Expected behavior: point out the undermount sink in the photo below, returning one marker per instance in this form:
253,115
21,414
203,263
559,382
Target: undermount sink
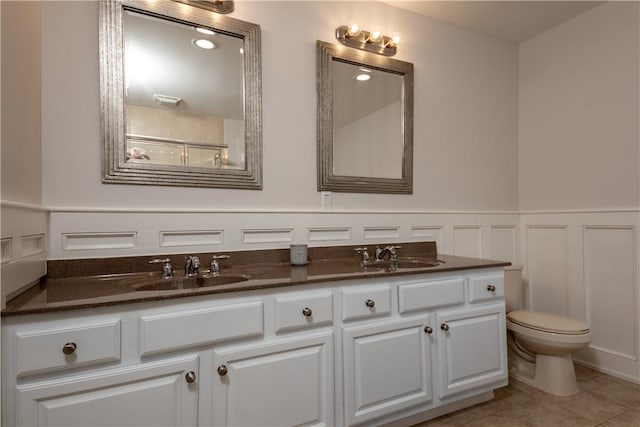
173,284
408,262
339,266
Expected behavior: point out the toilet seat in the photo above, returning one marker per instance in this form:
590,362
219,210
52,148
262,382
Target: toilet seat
547,322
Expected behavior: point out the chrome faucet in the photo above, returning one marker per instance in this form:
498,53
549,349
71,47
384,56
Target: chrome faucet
167,270
192,265
388,250
215,267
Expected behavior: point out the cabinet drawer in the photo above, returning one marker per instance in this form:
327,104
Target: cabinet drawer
44,350
486,288
297,312
169,331
437,293
361,303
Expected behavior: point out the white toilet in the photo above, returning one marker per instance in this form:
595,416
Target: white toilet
541,344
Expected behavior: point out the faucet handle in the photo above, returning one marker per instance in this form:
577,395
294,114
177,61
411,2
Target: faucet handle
215,267
167,270
364,251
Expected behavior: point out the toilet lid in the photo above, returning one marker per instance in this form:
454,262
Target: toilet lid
548,322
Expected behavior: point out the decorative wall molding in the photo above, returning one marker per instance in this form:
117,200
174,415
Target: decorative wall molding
326,234
24,241
98,241
600,276
191,238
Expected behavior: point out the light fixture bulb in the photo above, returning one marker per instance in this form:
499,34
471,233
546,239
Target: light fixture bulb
363,77
353,30
204,44
205,31
375,36
395,38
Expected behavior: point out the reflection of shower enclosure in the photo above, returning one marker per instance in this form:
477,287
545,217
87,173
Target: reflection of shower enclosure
174,152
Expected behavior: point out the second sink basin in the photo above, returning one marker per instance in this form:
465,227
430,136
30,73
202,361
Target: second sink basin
173,284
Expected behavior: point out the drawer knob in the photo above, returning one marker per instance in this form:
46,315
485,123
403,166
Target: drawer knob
307,312
190,377
69,348
222,370
428,329
491,288
370,303
444,327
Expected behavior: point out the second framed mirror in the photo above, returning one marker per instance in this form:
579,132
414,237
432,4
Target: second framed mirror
365,121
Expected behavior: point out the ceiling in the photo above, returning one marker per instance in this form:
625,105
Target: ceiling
515,21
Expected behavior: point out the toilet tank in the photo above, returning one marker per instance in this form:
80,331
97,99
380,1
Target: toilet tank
513,287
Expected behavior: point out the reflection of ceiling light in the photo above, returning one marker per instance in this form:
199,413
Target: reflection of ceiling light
363,77
241,51
205,31
204,44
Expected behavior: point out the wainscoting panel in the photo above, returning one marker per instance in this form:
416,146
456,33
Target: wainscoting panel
98,241
547,262
586,263
191,238
467,241
467,234
610,265
24,243
503,242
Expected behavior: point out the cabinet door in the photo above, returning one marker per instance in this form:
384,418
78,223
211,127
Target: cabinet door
387,367
288,382
471,348
154,394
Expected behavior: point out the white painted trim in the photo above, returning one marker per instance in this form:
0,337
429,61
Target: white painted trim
63,209
18,205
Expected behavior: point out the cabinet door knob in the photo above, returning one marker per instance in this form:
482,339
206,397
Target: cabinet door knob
69,348
428,329
307,312
491,288
222,370
370,303
444,327
190,377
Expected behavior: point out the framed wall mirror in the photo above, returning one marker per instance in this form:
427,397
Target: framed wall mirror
365,121
180,96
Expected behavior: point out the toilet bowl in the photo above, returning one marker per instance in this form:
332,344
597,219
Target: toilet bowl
541,344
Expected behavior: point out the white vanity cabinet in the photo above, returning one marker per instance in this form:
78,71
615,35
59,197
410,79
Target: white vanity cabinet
158,394
367,351
471,348
387,368
288,382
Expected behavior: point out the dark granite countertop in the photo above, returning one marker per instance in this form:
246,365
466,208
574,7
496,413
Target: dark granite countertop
78,284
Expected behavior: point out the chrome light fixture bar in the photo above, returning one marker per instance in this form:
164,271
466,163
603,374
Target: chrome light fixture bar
218,6
371,41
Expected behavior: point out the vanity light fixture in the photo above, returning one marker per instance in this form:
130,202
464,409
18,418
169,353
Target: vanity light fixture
371,41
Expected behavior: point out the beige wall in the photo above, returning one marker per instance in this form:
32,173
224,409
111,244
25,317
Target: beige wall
21,58
465,113
579,113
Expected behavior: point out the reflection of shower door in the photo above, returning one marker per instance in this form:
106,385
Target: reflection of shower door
162,151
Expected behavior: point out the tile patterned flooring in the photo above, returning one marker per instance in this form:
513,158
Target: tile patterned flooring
602,401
